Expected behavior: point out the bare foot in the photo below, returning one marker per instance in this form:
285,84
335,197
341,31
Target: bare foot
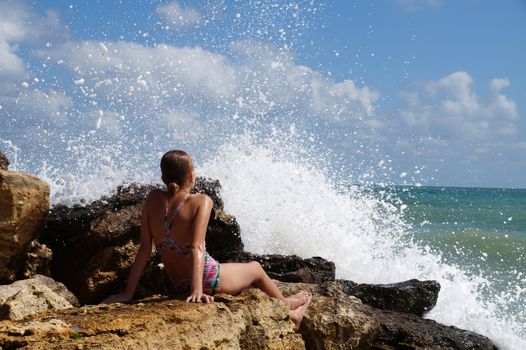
296,300
297,315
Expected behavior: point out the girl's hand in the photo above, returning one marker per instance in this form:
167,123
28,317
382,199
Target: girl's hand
199,297
117,298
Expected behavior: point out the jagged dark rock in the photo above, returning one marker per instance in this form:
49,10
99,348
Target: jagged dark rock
292,268
94,246
405,331
412,296
336,320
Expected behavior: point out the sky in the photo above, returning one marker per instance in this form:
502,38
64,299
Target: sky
428,92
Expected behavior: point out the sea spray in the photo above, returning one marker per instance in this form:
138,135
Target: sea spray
288,199
108,109
285,205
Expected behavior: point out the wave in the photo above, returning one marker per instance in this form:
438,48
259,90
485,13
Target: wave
286,205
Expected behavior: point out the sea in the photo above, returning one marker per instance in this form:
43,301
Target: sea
471,240
95,111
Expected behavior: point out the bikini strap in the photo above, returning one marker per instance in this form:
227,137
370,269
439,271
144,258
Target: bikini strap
166,226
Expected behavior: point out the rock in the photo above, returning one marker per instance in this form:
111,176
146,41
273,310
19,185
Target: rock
405,331
334,320
105,273
4,162
24,204
292,268
248,321
98,263
95,246
37,260
31,296
154,280
279,267
66,225
251,320
412,296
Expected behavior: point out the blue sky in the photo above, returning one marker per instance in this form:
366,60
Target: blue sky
427,91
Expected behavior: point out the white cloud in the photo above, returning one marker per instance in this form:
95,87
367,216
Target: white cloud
10,63
457,87
450,108
120,91
177,16
277,82
128,69
501,105
37,105
21,28
20,24
414,5
264,79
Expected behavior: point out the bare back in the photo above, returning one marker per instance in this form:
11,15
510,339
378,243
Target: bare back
182,226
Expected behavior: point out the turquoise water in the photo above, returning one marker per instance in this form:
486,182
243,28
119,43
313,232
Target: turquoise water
480,230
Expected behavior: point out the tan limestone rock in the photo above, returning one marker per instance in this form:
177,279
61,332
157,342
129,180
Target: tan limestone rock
248,321
334,320
31,296
4,162
24,204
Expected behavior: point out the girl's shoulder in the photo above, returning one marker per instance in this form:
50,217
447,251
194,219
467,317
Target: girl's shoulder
156,197
156,193
200,199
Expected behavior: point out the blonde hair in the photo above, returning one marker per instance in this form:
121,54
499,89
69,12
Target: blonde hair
176,166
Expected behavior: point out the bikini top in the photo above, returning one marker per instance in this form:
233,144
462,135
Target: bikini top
168,241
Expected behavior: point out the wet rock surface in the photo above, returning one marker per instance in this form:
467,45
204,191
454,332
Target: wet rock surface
24,203
405,331
412,296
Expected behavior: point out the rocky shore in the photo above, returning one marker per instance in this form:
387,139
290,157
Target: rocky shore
57,264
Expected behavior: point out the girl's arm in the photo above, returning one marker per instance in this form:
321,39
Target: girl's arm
141,259
200,225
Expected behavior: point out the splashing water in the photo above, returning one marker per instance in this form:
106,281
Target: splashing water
285,206
93,113
287,202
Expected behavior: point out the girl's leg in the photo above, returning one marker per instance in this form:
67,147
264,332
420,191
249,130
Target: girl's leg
238,276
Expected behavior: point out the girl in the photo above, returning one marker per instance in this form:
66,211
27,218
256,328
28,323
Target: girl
177,221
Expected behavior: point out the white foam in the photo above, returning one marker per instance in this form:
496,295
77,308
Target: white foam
286,206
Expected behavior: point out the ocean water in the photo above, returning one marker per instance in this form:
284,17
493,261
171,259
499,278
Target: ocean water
471,240
93,113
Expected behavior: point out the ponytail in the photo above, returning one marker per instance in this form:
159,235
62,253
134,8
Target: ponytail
173,188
